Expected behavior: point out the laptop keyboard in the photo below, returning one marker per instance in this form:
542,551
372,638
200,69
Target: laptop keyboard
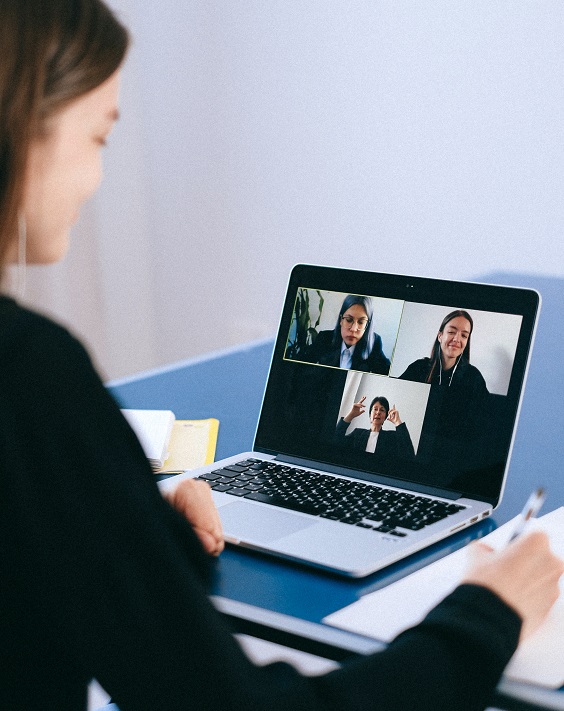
352,502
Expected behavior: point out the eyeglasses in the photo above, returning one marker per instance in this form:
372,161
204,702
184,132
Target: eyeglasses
361,323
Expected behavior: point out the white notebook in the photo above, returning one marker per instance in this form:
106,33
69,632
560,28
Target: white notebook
538,660
153,429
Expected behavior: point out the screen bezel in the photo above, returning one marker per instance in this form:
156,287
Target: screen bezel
273,436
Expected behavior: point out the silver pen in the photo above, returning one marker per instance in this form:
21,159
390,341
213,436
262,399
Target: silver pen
530,510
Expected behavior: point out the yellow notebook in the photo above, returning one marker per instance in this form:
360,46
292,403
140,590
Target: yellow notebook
192,444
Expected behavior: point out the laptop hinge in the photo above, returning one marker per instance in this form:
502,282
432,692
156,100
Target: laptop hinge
372,477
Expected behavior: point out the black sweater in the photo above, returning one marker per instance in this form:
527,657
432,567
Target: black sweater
100,577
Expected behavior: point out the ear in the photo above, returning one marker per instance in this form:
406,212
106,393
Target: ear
439,336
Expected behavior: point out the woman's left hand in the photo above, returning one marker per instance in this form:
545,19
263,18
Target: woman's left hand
394,417
192,498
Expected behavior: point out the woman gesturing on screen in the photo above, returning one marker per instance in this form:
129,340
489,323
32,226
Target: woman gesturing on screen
385,444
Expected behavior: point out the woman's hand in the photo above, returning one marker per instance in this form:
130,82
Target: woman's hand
192,498
394,416
357,409
524,575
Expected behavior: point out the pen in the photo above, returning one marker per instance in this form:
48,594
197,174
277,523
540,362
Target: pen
530,510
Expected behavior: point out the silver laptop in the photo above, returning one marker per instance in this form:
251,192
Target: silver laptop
387,421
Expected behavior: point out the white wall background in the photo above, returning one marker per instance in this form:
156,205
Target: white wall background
422,137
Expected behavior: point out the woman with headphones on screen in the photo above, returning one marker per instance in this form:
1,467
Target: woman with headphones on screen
100,576
459,396
449,363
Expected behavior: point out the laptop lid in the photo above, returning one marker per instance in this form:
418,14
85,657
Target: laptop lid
444,360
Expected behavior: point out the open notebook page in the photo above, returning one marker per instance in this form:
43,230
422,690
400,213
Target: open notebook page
538,660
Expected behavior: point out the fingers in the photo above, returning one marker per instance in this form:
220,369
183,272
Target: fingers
477,550
208,519
525,574
542,561
357,409
533,549
211,544
193,499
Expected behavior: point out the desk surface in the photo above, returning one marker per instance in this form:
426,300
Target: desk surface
286,602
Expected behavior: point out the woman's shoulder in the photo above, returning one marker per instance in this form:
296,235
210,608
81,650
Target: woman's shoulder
322,342
324,336
19,322
28,337
376,338
470,373
421,362
418,368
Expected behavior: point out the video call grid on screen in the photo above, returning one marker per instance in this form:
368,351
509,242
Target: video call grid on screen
408,331
309,407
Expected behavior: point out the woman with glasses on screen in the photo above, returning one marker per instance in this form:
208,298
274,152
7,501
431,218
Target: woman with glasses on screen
100,576
353,344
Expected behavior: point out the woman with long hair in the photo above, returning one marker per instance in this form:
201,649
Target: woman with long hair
353,343
449,362
458,400
100,576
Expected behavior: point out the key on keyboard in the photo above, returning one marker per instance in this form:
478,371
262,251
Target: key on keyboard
352,502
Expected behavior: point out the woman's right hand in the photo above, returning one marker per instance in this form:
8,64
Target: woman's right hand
524,575
357,409
193,499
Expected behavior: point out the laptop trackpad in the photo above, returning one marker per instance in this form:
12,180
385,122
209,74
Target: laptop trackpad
260,524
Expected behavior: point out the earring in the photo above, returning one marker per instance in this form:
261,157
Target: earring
22,245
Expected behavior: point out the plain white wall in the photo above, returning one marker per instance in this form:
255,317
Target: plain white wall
414,137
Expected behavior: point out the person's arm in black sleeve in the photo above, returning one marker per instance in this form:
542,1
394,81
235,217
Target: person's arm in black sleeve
341,429
120,577
404,445
320,347
416,371
118,573
452,660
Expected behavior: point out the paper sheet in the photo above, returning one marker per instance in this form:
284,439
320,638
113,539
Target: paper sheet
192,444
538,660
153,429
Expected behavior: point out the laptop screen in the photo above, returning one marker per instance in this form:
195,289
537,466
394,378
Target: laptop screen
400,379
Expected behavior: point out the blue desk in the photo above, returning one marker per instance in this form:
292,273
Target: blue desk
285,602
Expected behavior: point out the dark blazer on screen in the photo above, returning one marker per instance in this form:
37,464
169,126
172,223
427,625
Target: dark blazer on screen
323,351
